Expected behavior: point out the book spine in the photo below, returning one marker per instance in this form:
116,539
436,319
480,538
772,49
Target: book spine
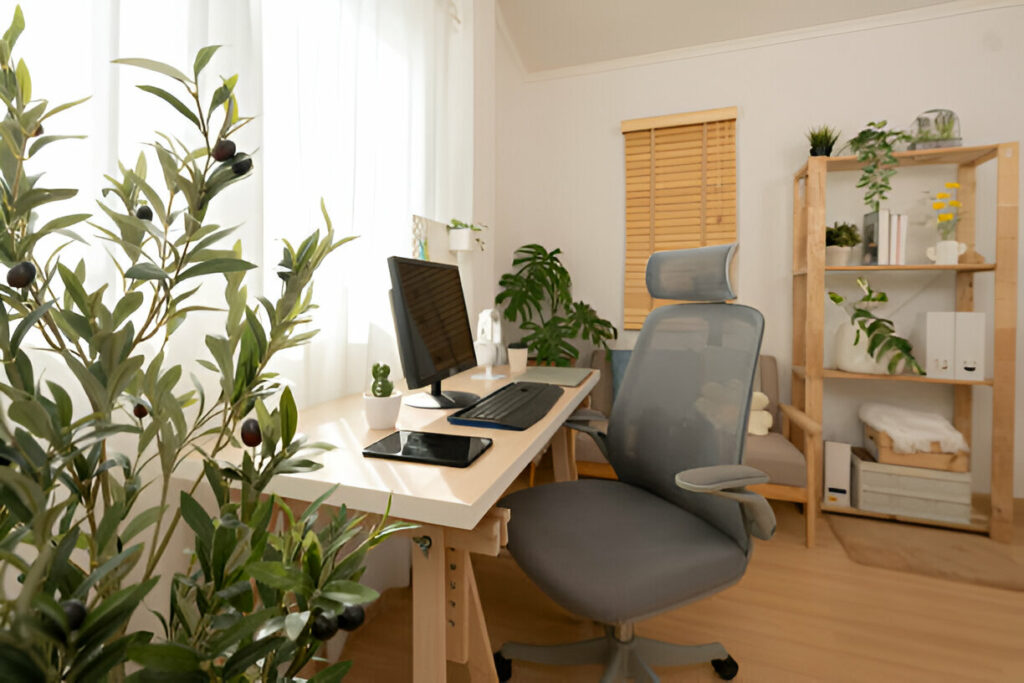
883,237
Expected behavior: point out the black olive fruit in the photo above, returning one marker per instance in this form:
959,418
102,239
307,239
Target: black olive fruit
74,611
21,275
324,627
144,212
251,435
351,618
140,411
223,150
242,166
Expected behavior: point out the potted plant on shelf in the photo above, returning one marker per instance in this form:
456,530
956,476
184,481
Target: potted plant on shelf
538,295
383,402
89,516
869,344
874,147
822,139
462,235
840,239
947,215
936,128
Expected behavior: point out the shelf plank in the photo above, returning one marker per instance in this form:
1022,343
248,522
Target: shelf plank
840,374
923,157
958,267
979,520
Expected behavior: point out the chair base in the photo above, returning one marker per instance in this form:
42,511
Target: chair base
623,659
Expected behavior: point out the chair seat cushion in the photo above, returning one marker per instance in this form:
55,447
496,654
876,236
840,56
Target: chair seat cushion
613,552
774,455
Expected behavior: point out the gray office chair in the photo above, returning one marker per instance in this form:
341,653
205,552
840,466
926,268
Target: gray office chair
676,526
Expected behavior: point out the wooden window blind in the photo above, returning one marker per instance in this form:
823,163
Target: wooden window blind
680,193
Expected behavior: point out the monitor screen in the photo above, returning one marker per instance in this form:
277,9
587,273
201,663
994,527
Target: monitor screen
434,338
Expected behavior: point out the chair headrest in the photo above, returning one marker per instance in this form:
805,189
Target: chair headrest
702,274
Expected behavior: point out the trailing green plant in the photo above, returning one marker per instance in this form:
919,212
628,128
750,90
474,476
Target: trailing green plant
456,224
842,235
382,386
883,342
81,457
874,147
822,139
538,295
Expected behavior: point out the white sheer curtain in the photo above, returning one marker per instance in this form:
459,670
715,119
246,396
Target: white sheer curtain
352,105
354,110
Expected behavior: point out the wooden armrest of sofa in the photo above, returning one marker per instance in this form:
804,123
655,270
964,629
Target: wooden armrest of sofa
800,419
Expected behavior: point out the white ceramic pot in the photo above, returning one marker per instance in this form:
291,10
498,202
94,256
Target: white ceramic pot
460,239
382,412
517,360
852,357
946,252
837,256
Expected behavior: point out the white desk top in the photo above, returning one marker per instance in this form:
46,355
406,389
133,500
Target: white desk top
431,494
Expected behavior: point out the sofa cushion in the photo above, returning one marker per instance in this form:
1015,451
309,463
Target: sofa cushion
774,455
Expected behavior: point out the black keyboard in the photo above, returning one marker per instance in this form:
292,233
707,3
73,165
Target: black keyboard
514,406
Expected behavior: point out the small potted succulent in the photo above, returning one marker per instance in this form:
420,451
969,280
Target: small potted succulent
383,402
840,239
462,235
822,139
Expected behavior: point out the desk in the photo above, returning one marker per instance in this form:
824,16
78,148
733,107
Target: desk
454,505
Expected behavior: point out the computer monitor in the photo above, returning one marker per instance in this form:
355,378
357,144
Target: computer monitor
432,325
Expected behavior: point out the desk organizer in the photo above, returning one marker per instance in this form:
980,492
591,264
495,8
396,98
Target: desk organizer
911,491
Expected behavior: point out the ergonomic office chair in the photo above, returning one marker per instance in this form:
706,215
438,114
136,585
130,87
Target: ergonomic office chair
676,525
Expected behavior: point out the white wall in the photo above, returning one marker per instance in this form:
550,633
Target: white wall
560,166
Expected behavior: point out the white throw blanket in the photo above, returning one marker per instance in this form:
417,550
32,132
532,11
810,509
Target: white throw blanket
912,430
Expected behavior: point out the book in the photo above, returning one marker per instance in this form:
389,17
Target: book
904,227
869,232
883,237
894,239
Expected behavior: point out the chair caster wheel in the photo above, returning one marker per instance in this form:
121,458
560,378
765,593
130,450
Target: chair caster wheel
503,666
726,668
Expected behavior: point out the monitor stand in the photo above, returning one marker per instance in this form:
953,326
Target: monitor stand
441,399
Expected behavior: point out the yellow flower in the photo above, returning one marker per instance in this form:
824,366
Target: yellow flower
943,217
938,205
956,203
952,186
942,195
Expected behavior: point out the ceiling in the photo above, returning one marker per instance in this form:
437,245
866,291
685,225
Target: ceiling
554,34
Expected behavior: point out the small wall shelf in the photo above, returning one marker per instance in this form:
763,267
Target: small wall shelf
809,271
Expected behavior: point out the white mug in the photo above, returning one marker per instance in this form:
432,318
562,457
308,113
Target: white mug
946,252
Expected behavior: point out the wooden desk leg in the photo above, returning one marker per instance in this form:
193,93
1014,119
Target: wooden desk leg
428,613
468,640
565,466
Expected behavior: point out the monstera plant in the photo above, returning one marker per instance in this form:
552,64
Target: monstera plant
95,421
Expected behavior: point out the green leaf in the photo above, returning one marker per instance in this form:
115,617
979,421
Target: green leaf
203,58
63,107
195,516
171,657
152,65
294,623
32,416
146,271
349,592
16,27
44,140
171,100
249,655
217,265
140,521
280,577
26,324
128,304
24,81
110,565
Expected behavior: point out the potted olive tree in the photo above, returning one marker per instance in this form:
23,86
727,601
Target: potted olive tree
840,239
537,294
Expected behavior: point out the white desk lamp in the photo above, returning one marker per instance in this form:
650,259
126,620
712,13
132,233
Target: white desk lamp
488,341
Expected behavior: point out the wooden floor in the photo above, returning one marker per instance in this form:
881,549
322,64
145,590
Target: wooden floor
797,615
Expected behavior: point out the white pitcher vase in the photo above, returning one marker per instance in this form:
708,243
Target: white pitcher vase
946,252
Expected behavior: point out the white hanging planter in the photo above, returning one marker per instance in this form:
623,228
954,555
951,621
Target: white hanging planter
460,239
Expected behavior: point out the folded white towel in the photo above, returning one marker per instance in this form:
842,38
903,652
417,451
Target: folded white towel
912,430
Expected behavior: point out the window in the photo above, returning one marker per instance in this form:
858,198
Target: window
680,193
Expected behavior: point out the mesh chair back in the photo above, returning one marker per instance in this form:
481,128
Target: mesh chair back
684,403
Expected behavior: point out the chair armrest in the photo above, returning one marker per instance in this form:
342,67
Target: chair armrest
719,478
583,414
800,419
728,481
599,437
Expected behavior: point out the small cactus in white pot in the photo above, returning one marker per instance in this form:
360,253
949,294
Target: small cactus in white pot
383,402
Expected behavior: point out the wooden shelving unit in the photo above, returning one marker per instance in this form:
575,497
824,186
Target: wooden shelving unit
809,273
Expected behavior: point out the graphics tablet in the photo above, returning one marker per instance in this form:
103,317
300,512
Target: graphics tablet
434,449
